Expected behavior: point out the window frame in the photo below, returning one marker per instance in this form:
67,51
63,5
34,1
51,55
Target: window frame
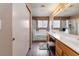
41,27
55,27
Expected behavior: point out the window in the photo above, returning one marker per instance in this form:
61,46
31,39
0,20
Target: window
56,23
42,23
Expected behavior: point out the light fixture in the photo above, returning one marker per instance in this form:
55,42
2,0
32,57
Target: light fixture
61,7
42,5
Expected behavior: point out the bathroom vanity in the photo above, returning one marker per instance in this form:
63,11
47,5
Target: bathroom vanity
65,44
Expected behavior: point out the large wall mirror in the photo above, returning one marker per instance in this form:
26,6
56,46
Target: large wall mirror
70,26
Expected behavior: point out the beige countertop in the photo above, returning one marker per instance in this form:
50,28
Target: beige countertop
71,41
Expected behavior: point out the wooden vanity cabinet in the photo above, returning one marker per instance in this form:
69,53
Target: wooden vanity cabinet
62,50
58,51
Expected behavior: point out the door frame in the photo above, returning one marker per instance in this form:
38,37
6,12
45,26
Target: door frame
30,24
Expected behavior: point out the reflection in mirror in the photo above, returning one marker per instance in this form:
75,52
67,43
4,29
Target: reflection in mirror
70,26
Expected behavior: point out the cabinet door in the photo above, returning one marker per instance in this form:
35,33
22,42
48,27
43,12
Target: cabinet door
57,54
68,52
58,51
65,53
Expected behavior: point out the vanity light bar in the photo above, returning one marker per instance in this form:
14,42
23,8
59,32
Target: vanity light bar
61,7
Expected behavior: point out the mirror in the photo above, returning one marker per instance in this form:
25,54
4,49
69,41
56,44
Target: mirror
70,26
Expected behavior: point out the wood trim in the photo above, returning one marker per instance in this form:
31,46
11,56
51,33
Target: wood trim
30,24
61,17
40,17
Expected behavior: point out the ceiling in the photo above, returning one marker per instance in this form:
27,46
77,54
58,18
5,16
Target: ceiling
72,10
48,8
43,9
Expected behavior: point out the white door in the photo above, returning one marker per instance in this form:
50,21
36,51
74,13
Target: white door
21,18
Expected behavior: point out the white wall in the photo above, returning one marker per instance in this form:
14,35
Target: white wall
20,29
5,29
